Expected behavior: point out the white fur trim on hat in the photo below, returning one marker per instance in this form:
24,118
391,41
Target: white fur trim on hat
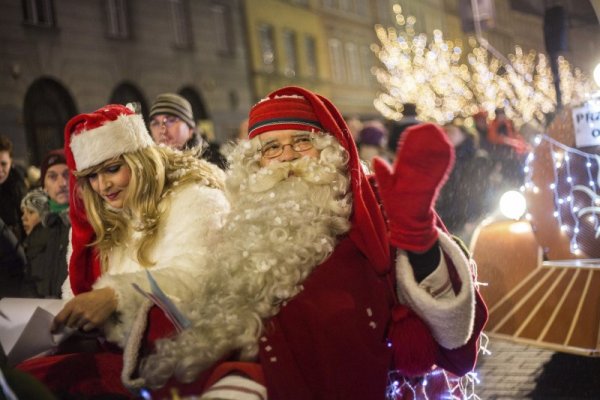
125,134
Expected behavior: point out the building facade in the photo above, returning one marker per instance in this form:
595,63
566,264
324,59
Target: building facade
63,57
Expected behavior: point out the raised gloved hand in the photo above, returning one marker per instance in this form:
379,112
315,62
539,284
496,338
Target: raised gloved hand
408,191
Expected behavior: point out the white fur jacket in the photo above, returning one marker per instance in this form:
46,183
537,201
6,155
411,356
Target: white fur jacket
185,234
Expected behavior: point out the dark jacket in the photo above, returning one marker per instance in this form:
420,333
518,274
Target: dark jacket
464,196
11,194
12,262
46,250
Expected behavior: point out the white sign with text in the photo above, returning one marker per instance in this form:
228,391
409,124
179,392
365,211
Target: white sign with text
586,121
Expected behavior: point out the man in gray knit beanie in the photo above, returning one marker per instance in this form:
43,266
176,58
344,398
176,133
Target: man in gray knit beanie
172,122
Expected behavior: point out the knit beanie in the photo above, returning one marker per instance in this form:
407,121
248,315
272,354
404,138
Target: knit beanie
285,112
53,157
91,139
371,135
298,108
173,104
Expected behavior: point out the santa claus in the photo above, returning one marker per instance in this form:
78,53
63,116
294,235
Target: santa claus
314,292
322,280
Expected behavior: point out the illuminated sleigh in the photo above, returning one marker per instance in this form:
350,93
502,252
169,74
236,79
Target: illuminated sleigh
543,271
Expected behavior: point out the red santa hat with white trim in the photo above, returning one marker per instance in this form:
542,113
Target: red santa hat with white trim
298,108
91,139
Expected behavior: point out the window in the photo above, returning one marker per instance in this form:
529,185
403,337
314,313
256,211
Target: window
221,17
366,57
47,108
329,3
310,46
354,64
384,11
338,70
346,5
291,59
303,3
181,24
117,19
39,13
267,47
362,8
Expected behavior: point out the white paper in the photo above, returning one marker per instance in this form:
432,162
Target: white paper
25,327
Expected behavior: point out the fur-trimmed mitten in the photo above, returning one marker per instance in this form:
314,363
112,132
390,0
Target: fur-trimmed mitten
409,189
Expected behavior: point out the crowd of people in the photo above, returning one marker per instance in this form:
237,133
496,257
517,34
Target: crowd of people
308,265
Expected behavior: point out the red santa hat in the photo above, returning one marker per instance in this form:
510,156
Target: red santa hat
91,139
297,108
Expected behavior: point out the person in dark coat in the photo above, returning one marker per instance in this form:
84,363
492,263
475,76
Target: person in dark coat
12,189
463,199
409,118
172,123
46,245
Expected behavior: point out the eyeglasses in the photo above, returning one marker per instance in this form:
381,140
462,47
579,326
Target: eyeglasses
168,122
275,149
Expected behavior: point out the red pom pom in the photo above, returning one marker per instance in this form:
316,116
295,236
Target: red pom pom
414,348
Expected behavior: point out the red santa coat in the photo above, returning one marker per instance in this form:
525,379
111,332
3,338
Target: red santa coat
329,341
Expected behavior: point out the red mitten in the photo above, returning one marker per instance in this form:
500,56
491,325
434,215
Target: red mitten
409,190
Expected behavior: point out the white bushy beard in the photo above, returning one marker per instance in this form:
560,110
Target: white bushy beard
284,221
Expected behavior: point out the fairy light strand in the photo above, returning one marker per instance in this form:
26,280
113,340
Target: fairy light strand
447,82
563,157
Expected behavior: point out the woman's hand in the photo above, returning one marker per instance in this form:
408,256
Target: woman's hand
86,311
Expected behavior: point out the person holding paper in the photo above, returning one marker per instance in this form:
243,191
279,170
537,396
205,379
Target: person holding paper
314,292
135,205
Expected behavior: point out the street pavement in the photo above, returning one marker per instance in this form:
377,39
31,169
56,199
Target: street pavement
517,371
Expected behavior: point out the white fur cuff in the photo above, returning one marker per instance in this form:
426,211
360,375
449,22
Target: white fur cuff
450,319
132,348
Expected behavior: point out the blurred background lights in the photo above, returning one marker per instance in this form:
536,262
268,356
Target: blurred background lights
512,204
597,74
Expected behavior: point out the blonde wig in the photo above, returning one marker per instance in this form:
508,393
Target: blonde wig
284,221
155,172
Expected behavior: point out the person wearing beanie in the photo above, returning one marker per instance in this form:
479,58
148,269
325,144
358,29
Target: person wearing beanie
172,123
314,293
135,207
54,178
46,245
371,141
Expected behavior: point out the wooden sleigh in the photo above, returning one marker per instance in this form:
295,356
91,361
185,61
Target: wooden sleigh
543,272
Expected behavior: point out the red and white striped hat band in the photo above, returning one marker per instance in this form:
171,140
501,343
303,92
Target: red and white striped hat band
282,112
105,134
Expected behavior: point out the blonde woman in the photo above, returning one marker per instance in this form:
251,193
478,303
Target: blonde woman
134,206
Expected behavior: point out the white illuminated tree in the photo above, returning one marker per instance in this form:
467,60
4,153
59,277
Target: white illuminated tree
446,83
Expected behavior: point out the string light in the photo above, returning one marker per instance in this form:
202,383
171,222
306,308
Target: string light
563,160
455,388
445,82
